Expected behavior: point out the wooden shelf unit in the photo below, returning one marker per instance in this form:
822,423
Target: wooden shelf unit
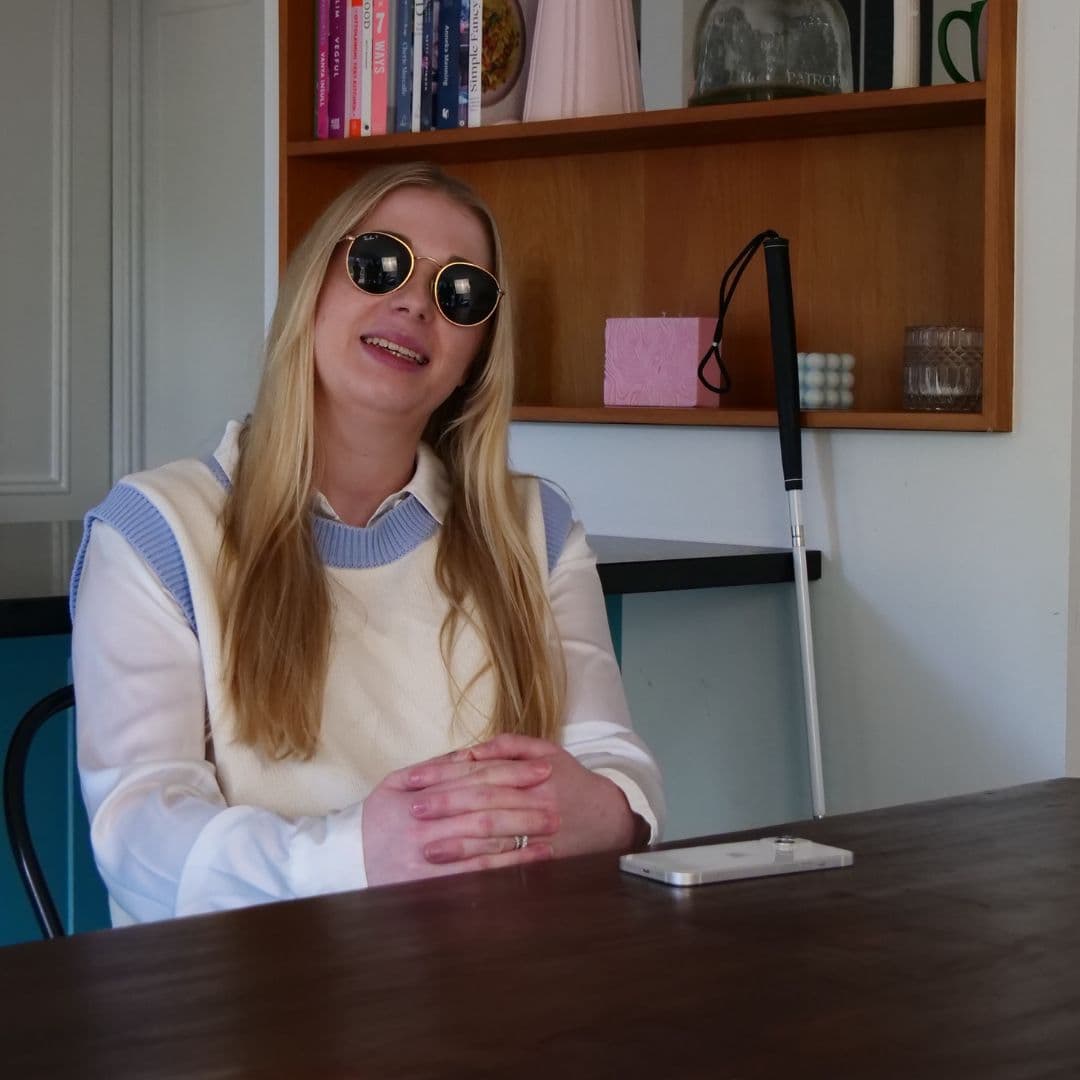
898,205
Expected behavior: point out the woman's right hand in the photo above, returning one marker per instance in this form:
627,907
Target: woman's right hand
497,803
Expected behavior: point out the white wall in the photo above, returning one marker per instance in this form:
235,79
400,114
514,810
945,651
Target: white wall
1072,749
942,617
667,51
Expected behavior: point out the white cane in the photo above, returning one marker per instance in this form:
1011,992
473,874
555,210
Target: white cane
782,326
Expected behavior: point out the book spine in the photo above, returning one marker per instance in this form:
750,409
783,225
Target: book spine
403,67
905,43
417,62
339,25
365,68
446,94
427,45
391,63
476,58
322,70
926,42
380,67
353,53
463,63
878,54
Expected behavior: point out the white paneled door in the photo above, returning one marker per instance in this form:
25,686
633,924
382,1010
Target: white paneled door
205,94
55,257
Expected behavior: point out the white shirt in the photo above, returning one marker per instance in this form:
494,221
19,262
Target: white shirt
164,837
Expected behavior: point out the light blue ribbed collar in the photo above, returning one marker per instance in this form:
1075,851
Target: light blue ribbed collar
392,535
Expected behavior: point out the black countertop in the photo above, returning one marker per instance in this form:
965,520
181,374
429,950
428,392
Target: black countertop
35,568
632,565
36,560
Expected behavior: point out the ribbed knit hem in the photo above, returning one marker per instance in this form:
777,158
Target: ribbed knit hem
558,517
144,527
394,535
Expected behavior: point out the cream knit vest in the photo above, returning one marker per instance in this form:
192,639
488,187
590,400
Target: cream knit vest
389,700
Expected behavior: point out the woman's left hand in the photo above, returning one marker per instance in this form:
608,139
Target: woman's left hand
592,811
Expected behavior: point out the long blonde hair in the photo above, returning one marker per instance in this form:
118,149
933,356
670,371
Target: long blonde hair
272,586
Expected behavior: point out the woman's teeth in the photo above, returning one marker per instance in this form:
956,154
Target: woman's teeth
397,350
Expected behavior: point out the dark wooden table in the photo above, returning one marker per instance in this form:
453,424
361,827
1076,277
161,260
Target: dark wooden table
950,949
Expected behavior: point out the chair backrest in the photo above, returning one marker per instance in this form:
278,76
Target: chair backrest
22,844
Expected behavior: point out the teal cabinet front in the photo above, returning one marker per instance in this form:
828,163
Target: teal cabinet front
30,668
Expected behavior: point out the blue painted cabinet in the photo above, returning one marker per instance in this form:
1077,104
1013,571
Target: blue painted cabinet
613,602
30,668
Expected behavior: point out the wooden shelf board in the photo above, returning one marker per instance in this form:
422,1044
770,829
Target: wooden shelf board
818,418
955,105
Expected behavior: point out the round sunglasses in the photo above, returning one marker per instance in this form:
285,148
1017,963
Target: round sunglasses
379,263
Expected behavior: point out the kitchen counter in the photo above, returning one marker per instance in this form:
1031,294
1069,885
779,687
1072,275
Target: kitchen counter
36,560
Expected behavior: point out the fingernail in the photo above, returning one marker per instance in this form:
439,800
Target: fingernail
416,779
420,807
436,854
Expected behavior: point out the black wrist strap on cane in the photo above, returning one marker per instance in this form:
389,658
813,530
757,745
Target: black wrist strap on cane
716,349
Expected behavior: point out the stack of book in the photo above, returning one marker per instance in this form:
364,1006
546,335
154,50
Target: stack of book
415,65
894,42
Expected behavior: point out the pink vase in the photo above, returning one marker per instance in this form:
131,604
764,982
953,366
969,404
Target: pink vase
584,60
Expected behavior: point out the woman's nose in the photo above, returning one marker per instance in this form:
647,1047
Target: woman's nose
417,296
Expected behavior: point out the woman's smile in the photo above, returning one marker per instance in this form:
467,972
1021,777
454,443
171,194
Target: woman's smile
394,352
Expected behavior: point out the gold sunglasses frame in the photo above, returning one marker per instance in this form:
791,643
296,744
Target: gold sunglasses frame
434,281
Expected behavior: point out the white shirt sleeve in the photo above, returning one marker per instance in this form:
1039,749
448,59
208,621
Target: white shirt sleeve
165,841
598,730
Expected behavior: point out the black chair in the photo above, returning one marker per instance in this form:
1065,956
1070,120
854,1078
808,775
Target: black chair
22,844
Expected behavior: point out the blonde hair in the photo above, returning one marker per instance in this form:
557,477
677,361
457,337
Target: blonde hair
271,583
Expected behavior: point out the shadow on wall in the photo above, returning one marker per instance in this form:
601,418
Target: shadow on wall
714,682
914,702
913,724
715,690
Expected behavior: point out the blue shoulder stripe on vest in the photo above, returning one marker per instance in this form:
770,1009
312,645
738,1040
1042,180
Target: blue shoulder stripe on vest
144,527
558,517
214,466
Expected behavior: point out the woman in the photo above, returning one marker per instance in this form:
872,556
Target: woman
351,648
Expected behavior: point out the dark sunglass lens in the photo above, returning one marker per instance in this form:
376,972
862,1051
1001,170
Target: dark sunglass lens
378,263
466,294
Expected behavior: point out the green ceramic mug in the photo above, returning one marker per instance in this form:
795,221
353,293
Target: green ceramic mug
976,24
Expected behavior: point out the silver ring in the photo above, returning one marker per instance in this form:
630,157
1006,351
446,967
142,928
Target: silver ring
520,842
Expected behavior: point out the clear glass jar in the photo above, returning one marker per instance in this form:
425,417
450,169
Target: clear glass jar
943,368
757,50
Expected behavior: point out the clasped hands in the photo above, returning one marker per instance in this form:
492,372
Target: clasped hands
462,811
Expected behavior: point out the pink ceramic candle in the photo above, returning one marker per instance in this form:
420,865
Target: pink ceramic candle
655,362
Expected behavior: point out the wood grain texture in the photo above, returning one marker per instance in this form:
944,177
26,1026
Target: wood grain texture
999,213
728,417
882,110
948,950
898,205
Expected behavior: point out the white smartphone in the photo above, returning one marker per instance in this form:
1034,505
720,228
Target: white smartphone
739,859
